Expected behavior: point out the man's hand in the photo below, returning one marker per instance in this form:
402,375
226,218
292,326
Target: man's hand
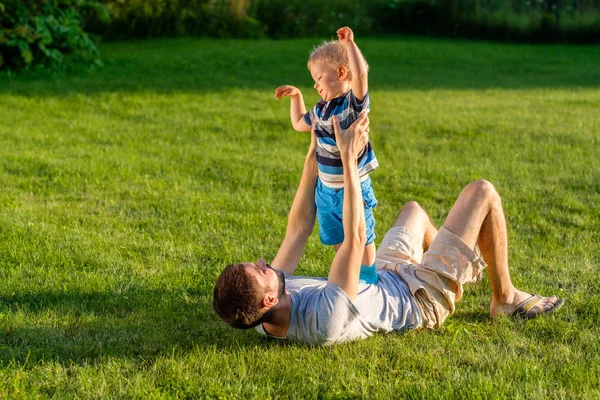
351,141
345,36
286,91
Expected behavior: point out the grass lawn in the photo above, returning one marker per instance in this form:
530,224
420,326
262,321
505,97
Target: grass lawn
126,190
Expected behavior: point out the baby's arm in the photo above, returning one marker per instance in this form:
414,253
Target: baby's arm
359,84
297,108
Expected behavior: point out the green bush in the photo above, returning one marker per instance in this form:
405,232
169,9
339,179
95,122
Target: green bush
235,18
523,20
46,32
138,19
520,20
284,18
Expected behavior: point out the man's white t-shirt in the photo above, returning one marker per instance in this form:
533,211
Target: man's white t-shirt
322,314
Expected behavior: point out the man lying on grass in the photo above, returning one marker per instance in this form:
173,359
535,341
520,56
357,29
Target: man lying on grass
421,271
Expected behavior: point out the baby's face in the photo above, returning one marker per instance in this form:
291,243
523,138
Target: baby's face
327,81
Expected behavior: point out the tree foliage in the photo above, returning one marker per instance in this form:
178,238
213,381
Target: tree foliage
529,20
46,32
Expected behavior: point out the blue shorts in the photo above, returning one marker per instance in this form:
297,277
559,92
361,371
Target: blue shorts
330,203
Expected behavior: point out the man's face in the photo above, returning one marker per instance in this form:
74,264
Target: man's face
327,81
268,278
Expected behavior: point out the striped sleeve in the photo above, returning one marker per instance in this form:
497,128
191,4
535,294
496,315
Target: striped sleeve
309,117
357,106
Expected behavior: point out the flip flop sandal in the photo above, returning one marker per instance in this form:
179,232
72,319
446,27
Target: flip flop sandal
524,309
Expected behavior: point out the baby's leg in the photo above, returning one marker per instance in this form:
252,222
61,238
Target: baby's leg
369,254
368,271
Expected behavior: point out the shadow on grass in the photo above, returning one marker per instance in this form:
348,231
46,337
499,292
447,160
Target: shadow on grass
77,327
471,317
84,327
406,63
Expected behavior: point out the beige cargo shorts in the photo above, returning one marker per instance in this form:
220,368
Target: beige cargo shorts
435,278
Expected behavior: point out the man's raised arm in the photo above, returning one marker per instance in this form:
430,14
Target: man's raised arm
301,220
345,268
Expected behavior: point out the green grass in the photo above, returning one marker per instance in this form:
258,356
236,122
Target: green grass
126,190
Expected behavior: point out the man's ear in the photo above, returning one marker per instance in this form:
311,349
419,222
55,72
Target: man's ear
269,300
342,72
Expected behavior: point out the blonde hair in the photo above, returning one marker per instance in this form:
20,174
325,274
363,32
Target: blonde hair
332,53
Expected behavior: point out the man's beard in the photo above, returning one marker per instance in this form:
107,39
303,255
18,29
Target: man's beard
281,282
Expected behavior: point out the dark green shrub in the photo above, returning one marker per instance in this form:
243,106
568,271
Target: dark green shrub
521,20
46,32
237,18
284,18
138,19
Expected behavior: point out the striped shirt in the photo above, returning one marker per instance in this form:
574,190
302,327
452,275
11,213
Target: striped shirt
347,109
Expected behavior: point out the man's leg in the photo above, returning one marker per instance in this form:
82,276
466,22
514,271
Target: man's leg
477,217
414,218
406,240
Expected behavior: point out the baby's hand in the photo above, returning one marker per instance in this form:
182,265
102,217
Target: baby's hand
345,35
286,91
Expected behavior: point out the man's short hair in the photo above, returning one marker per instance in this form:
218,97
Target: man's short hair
332,53
237,298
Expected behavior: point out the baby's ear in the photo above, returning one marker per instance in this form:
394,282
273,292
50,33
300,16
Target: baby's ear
343,73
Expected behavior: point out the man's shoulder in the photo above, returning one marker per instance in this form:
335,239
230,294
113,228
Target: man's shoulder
299,282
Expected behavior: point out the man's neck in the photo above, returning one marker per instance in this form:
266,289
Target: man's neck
280,322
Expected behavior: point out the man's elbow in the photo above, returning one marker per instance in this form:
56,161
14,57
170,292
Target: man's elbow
305,231
362,232
301,229
357,238
362,238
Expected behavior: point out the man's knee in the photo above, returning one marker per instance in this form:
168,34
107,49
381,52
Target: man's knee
483,190
414,208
